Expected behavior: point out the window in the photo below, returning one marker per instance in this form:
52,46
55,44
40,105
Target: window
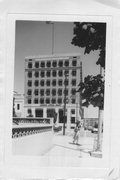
53,101
18,106
74,62
42,92
73,101
54,73
36,101
59,100
53,92
72,120
48,82
29,83
47,101
29,74
42,82
36,74
29,101
72,111
66,92
66,82
42,73
42,64
48,73
41,101
73,82
29,111
59,92
50,112
66,63
48,92
29,92
36,83
38,112
30,65
73,72
48,64
36,64
60,82
60,63
36,92
54,82
73,91
66,72
54,63
60,73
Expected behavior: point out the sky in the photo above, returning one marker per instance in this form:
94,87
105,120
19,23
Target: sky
34,38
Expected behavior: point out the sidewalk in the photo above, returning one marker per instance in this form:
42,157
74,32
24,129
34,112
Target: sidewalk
63,146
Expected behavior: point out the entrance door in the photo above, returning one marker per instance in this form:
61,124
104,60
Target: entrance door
61,116
39,113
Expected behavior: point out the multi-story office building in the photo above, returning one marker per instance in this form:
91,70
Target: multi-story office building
49,80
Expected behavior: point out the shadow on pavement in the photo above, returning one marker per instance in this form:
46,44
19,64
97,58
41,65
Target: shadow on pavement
67,147
75,144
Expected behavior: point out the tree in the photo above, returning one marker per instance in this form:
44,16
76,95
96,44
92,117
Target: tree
30,113
92,36
51,113
92,91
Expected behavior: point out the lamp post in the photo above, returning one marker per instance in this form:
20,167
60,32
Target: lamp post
64,115
52,23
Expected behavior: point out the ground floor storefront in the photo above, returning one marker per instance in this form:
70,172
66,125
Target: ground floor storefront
72,113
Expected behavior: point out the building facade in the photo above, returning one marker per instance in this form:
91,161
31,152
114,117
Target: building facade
18,104
50,83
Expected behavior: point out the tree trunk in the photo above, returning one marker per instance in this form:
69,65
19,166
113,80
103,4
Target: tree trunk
100,121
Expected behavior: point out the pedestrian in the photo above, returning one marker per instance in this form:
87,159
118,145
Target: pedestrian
76,133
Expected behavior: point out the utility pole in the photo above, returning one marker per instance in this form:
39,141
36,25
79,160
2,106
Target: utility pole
64,115
99,124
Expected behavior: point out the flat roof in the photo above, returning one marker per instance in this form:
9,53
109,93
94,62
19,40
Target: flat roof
52,56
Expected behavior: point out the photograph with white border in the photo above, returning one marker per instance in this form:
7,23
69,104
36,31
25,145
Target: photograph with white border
37,131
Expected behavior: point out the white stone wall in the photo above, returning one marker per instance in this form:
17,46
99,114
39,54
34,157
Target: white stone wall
36,144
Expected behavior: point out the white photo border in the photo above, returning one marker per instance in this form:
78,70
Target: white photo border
98,165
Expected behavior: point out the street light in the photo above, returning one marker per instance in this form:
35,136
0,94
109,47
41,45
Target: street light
52,23
64,115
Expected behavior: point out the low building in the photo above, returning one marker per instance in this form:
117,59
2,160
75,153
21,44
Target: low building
18,105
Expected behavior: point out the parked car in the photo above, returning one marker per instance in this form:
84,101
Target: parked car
90,128
94,130
57,128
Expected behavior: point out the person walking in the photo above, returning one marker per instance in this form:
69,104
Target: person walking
76,133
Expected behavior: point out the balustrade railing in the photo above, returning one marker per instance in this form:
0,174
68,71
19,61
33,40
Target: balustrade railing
28,126
17,120
25,131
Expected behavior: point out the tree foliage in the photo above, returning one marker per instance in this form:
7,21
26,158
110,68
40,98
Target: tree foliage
92,91
53,114
91,36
